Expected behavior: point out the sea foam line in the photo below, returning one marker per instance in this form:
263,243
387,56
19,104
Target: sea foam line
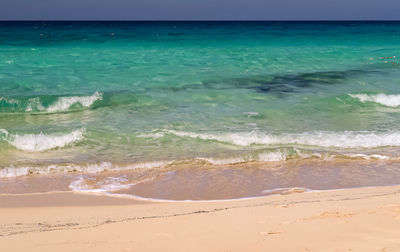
345,139
11,171
272,156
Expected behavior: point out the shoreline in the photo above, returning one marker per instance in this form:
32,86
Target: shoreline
201,182
134,199
359,219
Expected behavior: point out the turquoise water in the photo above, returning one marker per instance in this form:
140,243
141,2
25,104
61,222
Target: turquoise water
96,96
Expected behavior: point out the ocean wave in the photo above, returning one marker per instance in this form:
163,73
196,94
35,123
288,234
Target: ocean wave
367,157
259,156
272,156
42,142
34,104
64,103
12,171
383,99
37,104
345,139
224,161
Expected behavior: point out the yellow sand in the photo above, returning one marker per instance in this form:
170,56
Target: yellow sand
366,219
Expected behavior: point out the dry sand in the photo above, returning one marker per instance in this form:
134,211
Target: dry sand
364,219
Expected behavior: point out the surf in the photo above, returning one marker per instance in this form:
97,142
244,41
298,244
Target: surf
45,104
42,142
345,139
390,100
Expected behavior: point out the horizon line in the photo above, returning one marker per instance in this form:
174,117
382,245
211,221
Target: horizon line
199,20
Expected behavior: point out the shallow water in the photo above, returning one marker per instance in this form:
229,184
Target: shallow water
86,97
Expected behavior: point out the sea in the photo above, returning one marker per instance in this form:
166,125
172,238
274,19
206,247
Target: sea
198,110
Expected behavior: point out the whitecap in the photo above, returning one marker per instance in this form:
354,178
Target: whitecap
344,139
34,104
367,157
272,156
154,135
383,99
224,161
12,171
64,103
42,142
61,104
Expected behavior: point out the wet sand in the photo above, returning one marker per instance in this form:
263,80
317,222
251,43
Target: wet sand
363,219
199,180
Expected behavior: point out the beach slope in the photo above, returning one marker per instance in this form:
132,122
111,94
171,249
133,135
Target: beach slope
363,219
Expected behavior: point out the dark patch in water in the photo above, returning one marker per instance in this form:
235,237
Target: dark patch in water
283,83
279,84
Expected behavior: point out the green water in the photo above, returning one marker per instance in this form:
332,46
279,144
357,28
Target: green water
78,93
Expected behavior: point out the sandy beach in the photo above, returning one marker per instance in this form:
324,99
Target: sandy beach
362,219
228,133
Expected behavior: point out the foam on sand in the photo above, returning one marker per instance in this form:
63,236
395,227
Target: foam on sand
108,184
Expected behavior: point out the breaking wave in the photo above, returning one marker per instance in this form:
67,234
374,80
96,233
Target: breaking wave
48,105
383,99
12,171
264,156
64,103
42,142
345,139
271,156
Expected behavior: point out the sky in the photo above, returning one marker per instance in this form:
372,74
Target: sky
199,10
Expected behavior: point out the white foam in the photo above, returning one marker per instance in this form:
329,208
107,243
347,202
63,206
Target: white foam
272,156
368,157
9,172
42,142
13,171
154,135
383,99
34,103
61,104
79,185
251,113
377,156
106,185
286,190
323,156
64,103
110,184
10,101
344,139
225,161
5,132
